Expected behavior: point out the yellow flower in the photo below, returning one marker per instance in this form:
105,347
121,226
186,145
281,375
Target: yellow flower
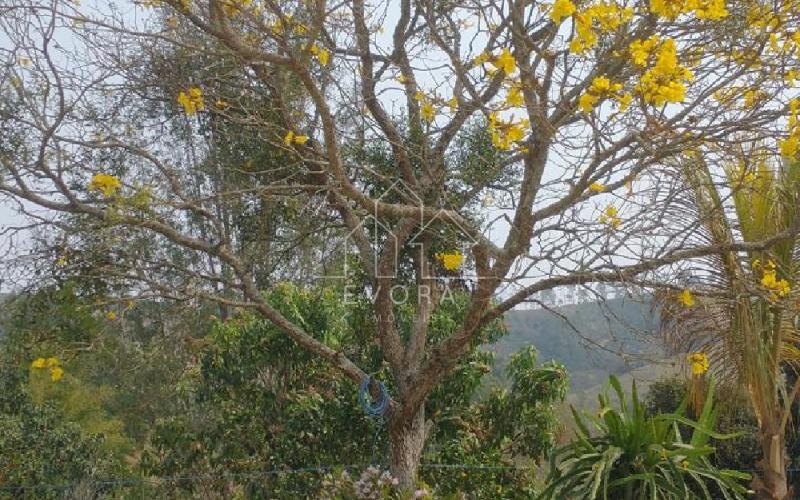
451,261
38,363
427,112
192,101
50,362
515,97
789,147
323,55
640,50
770,281
292,138
597,187
703,9
623,101
56,373
506,61
609,217
687,298
700,363
587,102
665,81
111,315
481,58
106,184
600,88
453,103
561,9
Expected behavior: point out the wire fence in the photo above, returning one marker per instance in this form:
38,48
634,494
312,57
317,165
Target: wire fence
112,488
108,485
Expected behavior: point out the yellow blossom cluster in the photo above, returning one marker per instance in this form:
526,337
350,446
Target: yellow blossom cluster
596,19
292,138
699,362
703,9
192,100
597,187
610,218
769,279
791,145
106,184
505,134
323,55
514,97
506,62
56,372
282,26
427,111
451,261
664,79
600,89
561,9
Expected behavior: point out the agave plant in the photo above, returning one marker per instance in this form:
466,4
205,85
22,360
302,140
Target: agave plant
632,455
744,313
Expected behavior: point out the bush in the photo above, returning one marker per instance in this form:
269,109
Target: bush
635,455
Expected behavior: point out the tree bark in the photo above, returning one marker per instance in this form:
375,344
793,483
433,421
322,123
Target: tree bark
406,442
771,483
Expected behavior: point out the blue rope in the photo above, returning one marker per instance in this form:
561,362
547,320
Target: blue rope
377,407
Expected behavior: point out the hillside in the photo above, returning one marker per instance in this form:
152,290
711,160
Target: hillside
592,339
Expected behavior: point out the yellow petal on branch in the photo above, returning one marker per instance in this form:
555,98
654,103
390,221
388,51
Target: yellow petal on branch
506,62
561,9
106,184
687,298
451,260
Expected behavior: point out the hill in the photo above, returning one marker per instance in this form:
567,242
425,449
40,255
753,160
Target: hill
592,339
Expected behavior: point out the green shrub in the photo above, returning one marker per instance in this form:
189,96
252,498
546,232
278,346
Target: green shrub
634,455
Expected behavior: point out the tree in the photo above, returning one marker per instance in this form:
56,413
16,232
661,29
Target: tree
580,105
258,401
40,449
745,316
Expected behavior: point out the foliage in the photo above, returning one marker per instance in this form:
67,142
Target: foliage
372,484
258,401
40,449
636,456
745,317
740,452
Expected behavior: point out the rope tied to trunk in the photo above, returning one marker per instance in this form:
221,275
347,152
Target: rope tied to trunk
375,407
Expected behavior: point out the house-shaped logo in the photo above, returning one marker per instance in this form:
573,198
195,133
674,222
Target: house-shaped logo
379,234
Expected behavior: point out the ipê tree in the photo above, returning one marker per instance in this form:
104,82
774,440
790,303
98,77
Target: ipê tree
579,104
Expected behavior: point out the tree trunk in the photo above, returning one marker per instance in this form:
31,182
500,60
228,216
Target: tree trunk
771,483
406,441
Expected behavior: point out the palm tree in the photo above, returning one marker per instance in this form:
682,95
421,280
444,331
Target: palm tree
745,315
